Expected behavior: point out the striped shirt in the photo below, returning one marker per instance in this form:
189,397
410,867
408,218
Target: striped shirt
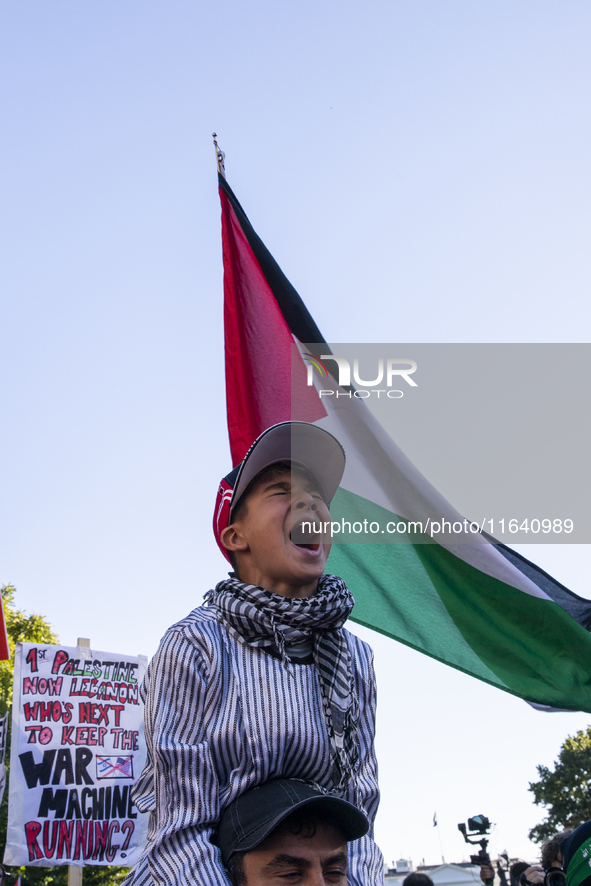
221,717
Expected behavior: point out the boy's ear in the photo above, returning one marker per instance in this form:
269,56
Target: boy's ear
233,539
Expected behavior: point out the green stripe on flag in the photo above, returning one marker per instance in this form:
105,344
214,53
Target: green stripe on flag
393,592
532,644
430,599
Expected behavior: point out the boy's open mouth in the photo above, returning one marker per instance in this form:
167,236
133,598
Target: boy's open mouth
302,536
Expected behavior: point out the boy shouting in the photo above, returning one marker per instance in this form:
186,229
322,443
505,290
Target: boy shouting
262,682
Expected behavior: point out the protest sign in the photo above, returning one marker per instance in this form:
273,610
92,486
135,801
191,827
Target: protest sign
77,749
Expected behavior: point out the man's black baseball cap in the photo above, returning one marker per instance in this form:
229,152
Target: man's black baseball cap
255,814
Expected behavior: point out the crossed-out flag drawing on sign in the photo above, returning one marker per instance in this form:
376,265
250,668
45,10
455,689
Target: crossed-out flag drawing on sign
114,767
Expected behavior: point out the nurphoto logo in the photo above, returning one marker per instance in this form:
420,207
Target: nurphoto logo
389,369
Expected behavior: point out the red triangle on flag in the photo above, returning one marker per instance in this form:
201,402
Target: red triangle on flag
260,357
4,647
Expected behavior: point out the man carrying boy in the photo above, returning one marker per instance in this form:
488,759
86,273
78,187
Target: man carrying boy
288,831
262,682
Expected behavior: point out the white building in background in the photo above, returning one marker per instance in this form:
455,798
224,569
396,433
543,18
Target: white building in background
461,874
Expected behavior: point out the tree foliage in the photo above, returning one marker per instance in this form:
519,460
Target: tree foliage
20,628
566,790
36,629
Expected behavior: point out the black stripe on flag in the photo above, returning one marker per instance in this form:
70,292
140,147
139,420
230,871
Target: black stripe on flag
292,307
577,607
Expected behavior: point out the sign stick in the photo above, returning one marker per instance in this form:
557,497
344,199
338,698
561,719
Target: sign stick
75,871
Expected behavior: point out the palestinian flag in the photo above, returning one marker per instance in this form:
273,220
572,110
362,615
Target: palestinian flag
4,645
481,608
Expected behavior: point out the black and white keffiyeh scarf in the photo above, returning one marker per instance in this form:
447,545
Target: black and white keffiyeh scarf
262,618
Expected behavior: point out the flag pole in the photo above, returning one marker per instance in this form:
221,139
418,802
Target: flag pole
440,845
219,155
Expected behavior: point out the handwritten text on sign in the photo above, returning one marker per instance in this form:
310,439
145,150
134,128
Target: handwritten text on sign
77,748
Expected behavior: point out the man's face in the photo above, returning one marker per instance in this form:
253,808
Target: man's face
266,554
285,858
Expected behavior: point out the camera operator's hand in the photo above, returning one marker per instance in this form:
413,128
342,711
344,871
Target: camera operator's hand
533,874
487,874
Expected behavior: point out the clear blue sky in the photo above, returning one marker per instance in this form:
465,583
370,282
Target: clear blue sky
420,170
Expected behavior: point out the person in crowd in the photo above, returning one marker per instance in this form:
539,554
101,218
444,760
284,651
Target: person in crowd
417,879
575,851
288,831
487,873
263,681
550,857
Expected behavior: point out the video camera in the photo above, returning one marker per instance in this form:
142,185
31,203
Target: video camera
553,877
477,827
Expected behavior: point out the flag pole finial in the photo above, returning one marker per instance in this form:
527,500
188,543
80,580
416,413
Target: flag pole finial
219,155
